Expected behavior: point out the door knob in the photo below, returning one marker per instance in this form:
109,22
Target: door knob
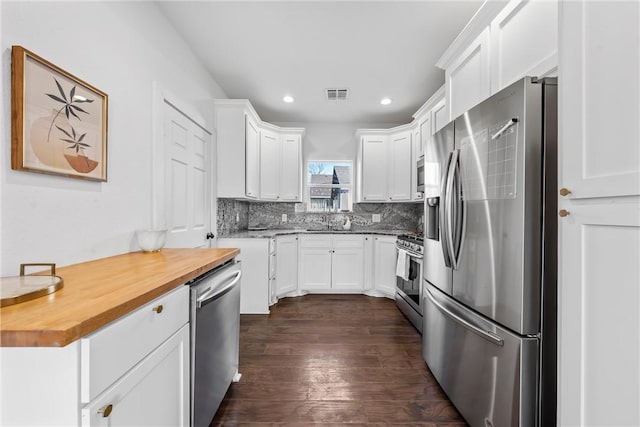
565,192
563,213
106,411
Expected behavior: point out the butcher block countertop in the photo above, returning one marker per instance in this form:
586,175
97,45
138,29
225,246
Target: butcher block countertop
98,292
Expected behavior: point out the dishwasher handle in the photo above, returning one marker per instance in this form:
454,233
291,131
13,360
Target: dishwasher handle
214,294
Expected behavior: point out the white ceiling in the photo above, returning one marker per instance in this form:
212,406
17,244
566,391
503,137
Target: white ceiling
263,50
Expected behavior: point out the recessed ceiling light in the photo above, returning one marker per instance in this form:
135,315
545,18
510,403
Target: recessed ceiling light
385,101
288,98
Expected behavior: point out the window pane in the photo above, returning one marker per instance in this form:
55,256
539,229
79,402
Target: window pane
329,173
329,199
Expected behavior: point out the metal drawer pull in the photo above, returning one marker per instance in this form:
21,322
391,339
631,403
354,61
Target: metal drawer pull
106,411
565,191
563,213
488,335
158,309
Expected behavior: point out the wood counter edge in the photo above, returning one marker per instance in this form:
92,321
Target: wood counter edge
61,338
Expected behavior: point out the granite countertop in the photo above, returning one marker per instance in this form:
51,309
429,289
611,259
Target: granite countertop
266,234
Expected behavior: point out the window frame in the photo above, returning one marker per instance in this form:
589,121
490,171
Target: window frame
308,186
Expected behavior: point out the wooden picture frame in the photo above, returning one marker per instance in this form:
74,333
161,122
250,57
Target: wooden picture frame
58,122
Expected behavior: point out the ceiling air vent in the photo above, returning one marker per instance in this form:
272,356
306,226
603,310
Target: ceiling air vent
337,94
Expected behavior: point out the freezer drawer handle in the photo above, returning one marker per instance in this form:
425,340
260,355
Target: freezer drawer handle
488,335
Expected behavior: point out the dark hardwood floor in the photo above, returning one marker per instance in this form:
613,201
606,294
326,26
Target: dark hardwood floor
329,360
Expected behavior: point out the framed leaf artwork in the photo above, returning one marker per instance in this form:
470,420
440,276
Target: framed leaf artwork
58,122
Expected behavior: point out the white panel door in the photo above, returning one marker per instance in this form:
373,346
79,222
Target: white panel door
600,112
401,167
252,165
347,265
154,393
375,163
384,266
269,165
315,262
524,41
290,168
187,180
599,228
286,264
467,79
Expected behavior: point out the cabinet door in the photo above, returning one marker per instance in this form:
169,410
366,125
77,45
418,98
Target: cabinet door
315,262
384,266
440,116
290,168
252,140
401,167
347,265
374,168
154,393
524,42
269,165
599,239
286,265
467,79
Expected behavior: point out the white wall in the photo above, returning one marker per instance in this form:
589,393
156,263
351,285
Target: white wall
121,48
332,141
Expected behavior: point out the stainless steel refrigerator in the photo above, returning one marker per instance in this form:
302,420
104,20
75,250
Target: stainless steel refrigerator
489,333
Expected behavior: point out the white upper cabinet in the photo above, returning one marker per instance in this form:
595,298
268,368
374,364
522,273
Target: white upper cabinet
524,41
291,168
252,138
269,165
374,168
467,77
386,162
256,160
401,166
502,43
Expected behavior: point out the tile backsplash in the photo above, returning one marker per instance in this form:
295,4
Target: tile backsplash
393,216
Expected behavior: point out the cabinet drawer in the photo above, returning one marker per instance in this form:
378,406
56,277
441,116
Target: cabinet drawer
322,242
348,241
114,349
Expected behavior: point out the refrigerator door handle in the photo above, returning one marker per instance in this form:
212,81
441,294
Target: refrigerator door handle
460,214
488,335
450,210
443,213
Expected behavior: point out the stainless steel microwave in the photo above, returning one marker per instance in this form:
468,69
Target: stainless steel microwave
420,172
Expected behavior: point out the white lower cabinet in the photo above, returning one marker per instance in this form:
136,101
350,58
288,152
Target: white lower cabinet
154,393
384,265
133,371
331,263
286,277
255,290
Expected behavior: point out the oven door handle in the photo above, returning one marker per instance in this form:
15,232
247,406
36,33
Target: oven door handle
411,254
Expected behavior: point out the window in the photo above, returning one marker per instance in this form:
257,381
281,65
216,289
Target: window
329,186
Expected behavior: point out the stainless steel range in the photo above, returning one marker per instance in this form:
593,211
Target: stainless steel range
409,248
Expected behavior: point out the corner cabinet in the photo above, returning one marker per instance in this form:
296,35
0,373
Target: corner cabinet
256,160
386,162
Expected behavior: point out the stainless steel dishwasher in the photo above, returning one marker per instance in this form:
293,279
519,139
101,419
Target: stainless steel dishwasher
215,334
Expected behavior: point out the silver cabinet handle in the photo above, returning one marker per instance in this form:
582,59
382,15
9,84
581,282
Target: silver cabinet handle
488,335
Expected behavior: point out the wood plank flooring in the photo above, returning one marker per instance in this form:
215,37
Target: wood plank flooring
330,360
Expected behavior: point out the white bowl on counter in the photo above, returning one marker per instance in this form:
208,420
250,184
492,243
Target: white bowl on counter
151,240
